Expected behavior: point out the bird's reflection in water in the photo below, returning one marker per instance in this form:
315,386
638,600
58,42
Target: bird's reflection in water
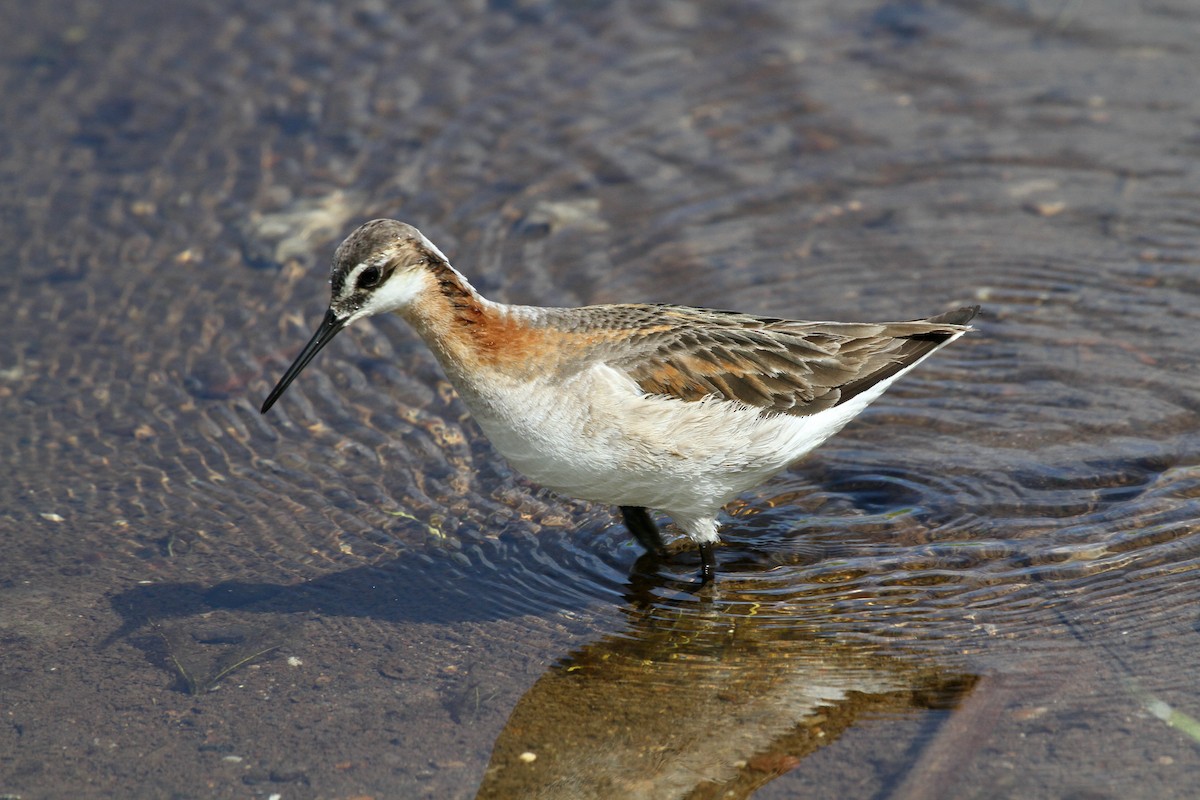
700,697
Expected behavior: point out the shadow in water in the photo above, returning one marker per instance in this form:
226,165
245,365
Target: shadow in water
486,580
439,586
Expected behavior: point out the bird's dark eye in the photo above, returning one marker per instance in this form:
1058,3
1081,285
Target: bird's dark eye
369,278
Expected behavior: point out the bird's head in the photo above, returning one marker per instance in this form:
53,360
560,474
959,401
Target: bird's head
382,266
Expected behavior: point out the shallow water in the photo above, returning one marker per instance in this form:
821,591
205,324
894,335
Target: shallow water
984,587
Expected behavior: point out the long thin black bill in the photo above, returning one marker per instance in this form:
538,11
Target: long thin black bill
328,329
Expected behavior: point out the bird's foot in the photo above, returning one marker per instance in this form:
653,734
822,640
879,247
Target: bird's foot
640,524
708,562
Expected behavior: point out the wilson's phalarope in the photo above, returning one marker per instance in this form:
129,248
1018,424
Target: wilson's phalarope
642,406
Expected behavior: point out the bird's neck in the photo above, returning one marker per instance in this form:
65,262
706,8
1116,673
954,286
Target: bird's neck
468,333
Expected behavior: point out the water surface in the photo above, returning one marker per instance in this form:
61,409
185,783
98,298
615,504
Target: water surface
984,587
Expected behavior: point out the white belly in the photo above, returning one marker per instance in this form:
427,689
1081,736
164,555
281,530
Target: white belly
597,437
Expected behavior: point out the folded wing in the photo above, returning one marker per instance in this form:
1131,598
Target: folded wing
778,366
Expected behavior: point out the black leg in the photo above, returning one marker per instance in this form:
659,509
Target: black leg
638,521
708,562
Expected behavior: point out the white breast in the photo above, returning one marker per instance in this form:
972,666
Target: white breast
597,437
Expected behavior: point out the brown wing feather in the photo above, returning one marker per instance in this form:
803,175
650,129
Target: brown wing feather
780,366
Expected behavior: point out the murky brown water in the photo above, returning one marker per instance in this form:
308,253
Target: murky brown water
985,587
